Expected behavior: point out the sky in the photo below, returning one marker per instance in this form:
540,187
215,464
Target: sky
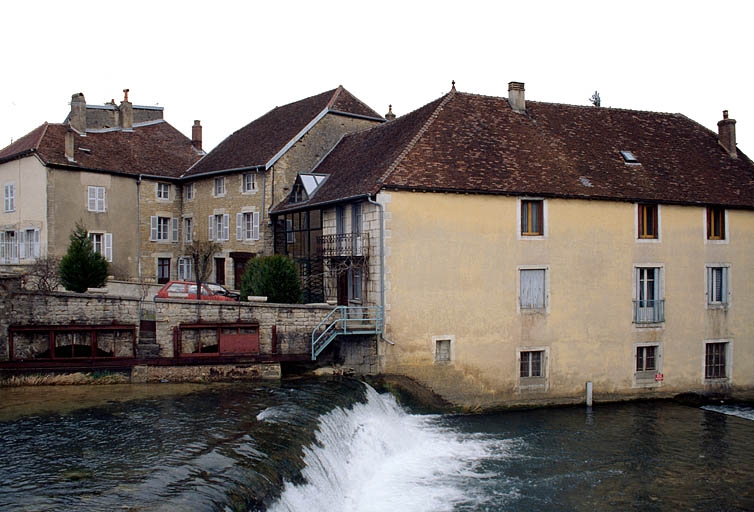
227,63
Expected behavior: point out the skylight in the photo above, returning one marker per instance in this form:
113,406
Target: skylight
629,157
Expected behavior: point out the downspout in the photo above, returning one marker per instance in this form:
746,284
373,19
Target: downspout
382,266
138,227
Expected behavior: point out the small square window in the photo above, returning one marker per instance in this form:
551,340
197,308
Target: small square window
249,182
629,157
716,360
648,221
442,351
715,223
532,363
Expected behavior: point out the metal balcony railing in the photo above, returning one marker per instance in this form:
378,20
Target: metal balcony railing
649,311
344,245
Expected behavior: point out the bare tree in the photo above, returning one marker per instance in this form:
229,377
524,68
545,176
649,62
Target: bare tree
44,274
201,253
595,99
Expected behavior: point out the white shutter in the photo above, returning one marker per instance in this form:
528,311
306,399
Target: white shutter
103,206
226,226
533,289
153,228
21,245
211,224
92,202
255,226
35,246
108,241
175,221
724,286
239,226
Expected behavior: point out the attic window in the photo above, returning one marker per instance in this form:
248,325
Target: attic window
629,158
305,186
85,150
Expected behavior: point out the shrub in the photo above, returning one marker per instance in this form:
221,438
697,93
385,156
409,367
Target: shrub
275,277
81,267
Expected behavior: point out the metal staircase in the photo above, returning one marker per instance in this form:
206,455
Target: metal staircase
344,320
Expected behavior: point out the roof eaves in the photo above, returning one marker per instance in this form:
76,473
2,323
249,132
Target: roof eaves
308,205
296,138
221,171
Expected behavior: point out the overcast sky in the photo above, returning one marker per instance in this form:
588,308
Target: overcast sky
227,63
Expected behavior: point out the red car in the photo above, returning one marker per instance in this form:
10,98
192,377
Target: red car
187,290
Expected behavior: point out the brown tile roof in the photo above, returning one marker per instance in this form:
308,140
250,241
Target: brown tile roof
155,149
478,144
258,142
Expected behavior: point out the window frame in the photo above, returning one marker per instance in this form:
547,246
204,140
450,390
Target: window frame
245,178
219,227
643,378
545,308
160,266
641,210
524,206
162,191
641,292
95,203
105,242
247,226
710,288
185,268
189,191
218,187
727,364
716,238
170,230
9,197
436,340
530,382
188,229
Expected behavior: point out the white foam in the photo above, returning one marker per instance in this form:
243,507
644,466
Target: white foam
376,457
742,411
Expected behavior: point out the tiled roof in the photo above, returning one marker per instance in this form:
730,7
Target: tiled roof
154,149
478,144
258,142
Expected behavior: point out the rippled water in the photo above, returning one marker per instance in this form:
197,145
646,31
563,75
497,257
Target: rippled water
339,446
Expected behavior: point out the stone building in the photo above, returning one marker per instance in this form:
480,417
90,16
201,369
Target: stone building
102,167
520,249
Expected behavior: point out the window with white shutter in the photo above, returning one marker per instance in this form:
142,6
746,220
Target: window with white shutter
717,285
109,247
175,221
96,199
9,197
532,290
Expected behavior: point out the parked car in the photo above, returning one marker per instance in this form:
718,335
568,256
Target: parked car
221,290
187,290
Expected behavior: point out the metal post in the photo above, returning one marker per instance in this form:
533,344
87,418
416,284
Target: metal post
589,393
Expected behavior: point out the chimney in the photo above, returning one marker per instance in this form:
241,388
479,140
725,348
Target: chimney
126,110
69,143
389,116
77,117
516,96
726,130
196,135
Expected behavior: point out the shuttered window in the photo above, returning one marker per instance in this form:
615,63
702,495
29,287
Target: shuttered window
96,199
717,285
532,288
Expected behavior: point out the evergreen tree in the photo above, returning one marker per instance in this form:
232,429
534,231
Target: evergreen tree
275,277
81,267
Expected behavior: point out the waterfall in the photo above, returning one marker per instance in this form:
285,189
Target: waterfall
375,456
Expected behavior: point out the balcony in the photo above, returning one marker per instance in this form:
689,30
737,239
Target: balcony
649,311
344,245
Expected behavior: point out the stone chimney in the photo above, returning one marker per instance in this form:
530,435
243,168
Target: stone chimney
726,130
516,96
196,135
77,117
69,145
389,116
126,110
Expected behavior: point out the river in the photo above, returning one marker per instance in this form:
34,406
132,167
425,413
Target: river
338,445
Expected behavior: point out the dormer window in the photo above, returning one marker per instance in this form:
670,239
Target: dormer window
305,186
629,158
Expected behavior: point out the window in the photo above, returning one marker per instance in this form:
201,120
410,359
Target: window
188,229
717,360
102,243
442,350
185,269
163,191
647,365
715,223
249,182
188,190
219,189
290,236
247,226
646,358
648,221
163,229
531,363
9,197
8,247
533,291
649,307
219,229
354,284
629,157
717,285
532,217
96,199
29,244
163,270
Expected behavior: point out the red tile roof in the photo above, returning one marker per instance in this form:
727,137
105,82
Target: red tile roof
258,142
477,144
155,149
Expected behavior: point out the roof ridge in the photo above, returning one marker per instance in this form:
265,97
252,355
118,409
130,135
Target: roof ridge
334,97
416,137
41,135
